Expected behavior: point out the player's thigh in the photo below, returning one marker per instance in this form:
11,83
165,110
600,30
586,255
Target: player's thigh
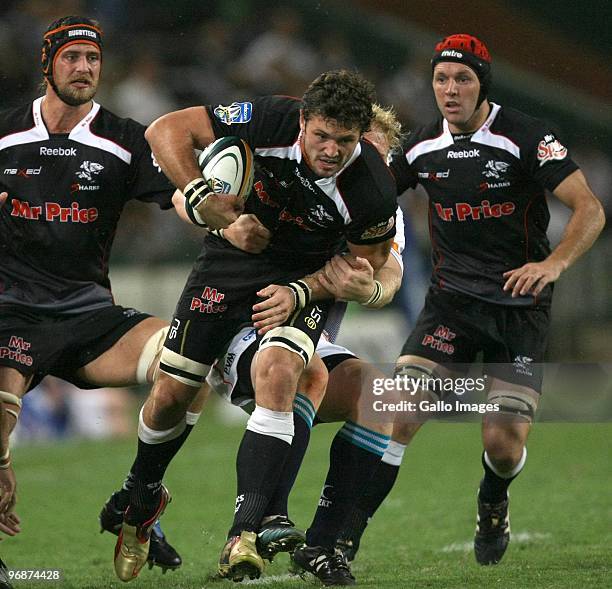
14,382
117,366
344,389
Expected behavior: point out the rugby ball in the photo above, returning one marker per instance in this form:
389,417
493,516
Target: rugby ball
227,166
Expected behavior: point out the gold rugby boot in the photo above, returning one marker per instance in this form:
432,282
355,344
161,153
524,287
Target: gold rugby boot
240,559
132,548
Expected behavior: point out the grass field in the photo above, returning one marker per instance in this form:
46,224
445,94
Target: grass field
561,512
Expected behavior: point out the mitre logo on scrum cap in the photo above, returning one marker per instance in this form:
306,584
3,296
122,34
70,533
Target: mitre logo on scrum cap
451,53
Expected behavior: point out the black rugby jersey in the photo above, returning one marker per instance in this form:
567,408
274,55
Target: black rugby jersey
66,193
487,208
310,217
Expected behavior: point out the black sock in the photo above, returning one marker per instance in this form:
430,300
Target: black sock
493,488
375,492
303,414
259,463
380,486
122,496
148,470
354,455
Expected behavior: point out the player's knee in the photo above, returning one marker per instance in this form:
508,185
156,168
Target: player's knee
504,446
277,368
404,432
170,395
313,381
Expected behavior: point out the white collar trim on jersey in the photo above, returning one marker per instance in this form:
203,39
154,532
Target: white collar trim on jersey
81,133
484,128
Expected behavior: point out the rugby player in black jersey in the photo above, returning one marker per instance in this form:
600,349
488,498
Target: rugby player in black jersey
317,187
67,168
360,443
485,169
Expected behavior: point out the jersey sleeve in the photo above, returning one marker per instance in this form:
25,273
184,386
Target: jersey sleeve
547,159
371,190
263,122
147,182
405,176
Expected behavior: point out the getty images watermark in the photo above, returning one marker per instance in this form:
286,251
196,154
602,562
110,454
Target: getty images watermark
557,392
402,385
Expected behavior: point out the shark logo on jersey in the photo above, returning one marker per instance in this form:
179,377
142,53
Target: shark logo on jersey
88,170
495,169
523,365
319,216
237,112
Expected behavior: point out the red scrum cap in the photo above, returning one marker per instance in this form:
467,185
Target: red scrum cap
67,31
469,50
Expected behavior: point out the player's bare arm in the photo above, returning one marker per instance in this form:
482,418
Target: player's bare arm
3,197
376,254
343,277
248,234
353,279
581,231
173,138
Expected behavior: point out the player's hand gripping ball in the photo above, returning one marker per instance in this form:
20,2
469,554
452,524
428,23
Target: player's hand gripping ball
227,166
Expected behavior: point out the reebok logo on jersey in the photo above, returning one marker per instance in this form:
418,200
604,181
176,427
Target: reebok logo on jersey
53,211
62,151
465,153
463,211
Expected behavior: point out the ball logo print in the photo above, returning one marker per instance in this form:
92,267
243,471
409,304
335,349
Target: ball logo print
227,166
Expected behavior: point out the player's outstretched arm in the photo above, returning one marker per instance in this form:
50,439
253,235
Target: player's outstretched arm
581,231
173,139
3,197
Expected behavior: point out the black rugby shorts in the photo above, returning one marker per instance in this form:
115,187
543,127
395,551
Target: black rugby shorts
218,300
453,328
38,344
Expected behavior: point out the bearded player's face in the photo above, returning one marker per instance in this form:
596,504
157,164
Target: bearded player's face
326,145
76,72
